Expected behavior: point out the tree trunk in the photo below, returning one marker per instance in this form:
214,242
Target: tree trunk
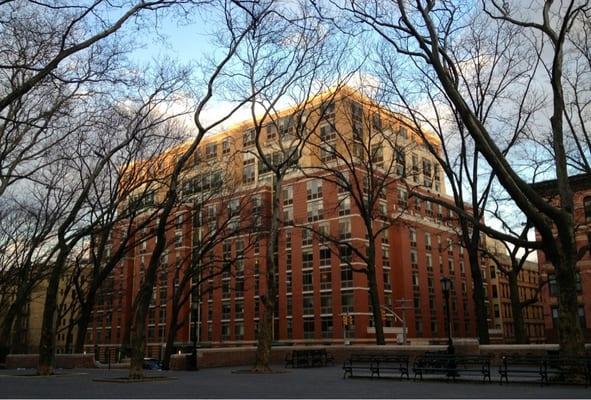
7,324
47,342
373,293
570,333
170,336
18,344
138,330
265,329
83,323
69,338
479,296
516,309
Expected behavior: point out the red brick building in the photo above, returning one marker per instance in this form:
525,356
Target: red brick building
316,283
581,186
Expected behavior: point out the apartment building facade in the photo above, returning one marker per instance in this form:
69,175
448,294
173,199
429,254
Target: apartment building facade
581,186
529,284
323,229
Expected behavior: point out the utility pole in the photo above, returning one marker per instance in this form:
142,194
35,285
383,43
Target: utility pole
402,307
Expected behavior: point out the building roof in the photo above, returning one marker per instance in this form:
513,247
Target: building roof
578,182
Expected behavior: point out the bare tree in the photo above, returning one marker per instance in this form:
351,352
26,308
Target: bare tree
283,66
234,220
27,230
240,26
52,57
363,153
424,34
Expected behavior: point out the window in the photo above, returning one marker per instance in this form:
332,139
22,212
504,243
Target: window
326,323
226,310
226,146
315,211
210,150
248,138
307,281
450,264
412,235
288,282
325,256
287,194
437,177
376,121
314,189
402,132
427,171
342,182
587,207
345,253
347,278
326,279
327,151
248,168
429,208
308,328
308,304
383,211
271,132
427,241
356,111
345,229
307,237
326,303
385,236
328,110
345,206
400,161
288,216
323,232
238,331
414,259
377,154
387,283
239,310
402,197
307,259
327,133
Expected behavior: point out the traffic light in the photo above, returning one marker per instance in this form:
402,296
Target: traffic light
384,316
349,320
345,320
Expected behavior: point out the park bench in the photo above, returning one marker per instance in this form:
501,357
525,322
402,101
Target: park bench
358,363
388,363
308,358
561,366
528,365
452,365
545,366
369,365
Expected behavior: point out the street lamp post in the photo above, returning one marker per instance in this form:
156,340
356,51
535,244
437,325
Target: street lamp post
446,284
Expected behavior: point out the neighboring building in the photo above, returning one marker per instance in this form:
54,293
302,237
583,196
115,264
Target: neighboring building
27,325
529,283
316,284
581,186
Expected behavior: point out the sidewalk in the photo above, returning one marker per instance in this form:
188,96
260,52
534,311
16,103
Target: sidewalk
316,383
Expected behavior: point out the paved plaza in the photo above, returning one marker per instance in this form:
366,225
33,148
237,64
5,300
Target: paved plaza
297,383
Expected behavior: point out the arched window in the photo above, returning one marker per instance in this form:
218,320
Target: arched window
587,207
